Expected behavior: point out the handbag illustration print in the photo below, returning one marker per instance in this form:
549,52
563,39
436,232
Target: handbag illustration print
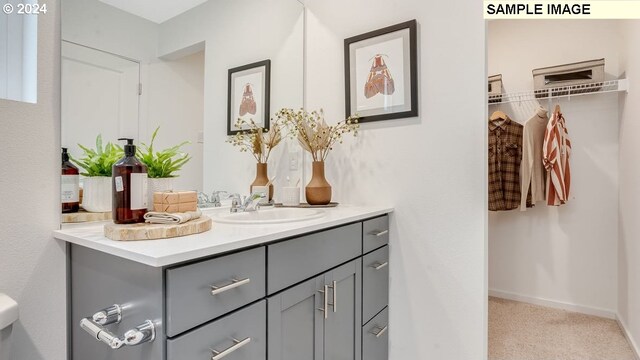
248,103
380,80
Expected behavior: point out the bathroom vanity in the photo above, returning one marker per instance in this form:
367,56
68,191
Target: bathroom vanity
315,289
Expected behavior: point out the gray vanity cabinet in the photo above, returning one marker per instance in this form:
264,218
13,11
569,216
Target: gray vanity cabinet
318,319
318,296
296,324
375,337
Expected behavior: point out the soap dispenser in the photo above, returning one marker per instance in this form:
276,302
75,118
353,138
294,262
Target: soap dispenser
129,187
69,185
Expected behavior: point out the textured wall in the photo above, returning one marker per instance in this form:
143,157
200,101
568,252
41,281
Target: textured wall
32,263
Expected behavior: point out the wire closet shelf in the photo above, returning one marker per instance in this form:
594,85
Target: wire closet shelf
609,86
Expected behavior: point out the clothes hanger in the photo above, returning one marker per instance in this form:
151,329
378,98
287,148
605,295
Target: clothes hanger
541,111
498,115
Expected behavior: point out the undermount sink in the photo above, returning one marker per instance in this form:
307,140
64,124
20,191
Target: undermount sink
268,216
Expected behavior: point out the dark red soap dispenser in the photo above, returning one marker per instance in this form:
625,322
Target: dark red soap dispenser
69,185
129,187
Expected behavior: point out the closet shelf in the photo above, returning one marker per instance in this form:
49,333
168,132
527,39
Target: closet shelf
621,85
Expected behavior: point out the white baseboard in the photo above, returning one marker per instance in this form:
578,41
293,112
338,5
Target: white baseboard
609,314
627,334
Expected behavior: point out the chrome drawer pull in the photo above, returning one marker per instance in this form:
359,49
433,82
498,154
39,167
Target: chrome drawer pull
380,233
325,301
215,290
380,331
379,266
217,355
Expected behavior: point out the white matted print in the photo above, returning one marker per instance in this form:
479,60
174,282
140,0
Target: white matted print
381,73
376,86
248,97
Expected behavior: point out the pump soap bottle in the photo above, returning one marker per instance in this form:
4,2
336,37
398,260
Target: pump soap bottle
69,185
129,187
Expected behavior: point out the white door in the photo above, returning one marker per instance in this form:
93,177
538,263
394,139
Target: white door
100,94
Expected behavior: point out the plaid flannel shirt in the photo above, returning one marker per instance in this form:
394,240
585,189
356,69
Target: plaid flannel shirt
505,155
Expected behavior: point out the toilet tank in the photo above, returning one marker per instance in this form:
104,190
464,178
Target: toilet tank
8,311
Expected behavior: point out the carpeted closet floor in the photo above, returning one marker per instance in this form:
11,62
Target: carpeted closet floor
520,331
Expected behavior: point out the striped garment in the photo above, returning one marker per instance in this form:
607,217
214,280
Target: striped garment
555,157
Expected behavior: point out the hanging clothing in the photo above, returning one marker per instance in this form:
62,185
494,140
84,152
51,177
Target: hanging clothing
533,174
556,153
505,155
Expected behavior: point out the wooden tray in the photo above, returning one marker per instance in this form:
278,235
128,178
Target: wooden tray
307,206
85,216
145,231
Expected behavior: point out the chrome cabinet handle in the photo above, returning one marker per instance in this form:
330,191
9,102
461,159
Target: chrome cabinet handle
379,266
380,332
215,290
94,325
380,233
334,287
108,316
217,355
325,301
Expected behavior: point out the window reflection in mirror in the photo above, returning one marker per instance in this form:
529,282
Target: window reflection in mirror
19,50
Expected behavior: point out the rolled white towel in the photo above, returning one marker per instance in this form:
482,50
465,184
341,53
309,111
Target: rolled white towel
154,217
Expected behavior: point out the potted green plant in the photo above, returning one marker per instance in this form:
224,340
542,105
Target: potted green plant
162,165
318,139
97,164
259,142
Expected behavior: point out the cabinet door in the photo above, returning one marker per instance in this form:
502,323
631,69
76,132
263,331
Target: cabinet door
343,324
295,323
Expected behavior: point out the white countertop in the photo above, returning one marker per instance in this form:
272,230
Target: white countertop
221,238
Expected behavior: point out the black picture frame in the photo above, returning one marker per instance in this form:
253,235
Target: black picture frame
410,74
263,67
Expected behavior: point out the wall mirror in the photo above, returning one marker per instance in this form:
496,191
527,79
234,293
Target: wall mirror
131,66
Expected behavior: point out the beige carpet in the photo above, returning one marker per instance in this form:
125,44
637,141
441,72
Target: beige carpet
519,331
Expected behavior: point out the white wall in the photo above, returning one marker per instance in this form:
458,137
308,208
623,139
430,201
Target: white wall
104,27
32,263
240,32
431,168
566,254
174,100
628,246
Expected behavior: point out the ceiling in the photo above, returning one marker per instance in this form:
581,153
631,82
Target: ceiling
157,11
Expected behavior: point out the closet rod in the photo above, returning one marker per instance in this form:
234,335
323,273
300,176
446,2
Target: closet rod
620,85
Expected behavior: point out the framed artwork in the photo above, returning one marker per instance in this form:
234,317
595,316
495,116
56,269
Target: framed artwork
381,73
248,95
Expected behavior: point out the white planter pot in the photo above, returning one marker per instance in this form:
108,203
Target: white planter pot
97,194
158,185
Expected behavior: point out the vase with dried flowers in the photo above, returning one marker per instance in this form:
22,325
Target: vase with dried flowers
260,142
318,138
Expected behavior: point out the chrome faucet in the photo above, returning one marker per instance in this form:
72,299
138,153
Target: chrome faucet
215,200
250,203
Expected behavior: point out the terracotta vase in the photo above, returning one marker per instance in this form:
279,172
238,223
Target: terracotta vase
262,179
318,191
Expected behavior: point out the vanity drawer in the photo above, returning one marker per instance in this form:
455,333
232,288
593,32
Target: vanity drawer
191,300
375,338
375,283
375,233
298,259
241,336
